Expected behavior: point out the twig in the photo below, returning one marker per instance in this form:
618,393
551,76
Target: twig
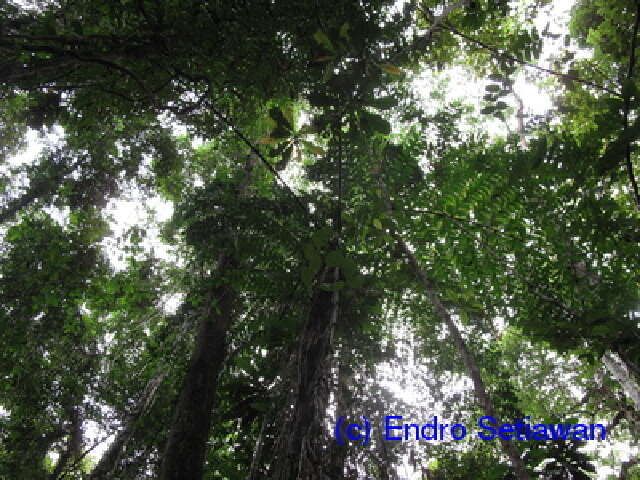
240,135
527,64
262,158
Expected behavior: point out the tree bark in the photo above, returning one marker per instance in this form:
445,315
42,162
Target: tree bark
185,451
186,447
619,370
343,402
73,449
300,458
257,451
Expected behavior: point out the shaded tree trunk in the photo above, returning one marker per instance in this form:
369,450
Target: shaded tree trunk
257,452
343,406
300,448
73,449
384,462
619,370
186,446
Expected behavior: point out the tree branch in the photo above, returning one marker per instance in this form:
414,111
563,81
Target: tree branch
627,107
508,56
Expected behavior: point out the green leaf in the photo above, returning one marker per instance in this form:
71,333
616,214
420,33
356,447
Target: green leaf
377,223
615,152
307,130
351,273
288,114
283,119
310,252
344,31
323,40
311,148
321,237
243,363
307,276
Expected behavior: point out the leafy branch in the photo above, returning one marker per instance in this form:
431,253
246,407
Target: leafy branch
513,58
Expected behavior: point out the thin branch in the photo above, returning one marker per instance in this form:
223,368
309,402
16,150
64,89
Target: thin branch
534,288
464,221
340,204
527,64
72,466
241,135
96,60
262,158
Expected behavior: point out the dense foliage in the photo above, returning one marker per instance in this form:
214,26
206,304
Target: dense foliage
346,234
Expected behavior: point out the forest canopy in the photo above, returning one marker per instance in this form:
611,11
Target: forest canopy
240,240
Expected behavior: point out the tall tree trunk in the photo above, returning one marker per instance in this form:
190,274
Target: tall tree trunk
73,449
343,402
186,447
257,451
299,458
467,357
185,450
